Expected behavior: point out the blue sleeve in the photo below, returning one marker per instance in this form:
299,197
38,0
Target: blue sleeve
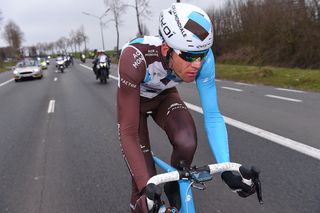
213,120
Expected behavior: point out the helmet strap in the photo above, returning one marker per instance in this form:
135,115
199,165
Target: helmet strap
168,56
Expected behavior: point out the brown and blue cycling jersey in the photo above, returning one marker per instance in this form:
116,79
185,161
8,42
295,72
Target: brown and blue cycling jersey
145,85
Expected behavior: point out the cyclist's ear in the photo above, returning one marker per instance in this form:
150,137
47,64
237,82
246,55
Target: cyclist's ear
164,48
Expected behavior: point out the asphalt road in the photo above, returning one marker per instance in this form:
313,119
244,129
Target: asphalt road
68,159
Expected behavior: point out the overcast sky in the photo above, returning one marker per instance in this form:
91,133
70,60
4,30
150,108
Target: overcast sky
48,20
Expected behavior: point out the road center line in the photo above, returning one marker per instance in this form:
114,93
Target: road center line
233,89
283,98
286,142
51,106
55,79
6,82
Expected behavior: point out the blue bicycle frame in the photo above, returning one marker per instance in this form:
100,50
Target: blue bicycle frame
187,204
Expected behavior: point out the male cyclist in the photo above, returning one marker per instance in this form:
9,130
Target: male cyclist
149,70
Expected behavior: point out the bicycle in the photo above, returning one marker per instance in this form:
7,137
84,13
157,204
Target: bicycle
195,177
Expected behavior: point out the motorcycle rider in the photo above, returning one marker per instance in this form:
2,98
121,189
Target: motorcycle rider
83,57
100,57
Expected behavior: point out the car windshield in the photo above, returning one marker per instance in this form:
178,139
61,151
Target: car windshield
26,63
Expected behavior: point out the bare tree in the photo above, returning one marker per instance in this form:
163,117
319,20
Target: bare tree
72,40
142,10
117,8
272,32
62,44
80,37
13,36
0,18
83,37
144,30
51,47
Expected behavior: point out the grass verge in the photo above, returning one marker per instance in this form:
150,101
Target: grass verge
291,78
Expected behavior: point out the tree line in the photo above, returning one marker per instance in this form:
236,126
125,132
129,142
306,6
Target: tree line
260,32
268,32
14,37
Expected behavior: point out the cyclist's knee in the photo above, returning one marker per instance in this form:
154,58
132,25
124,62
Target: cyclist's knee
184,147
185,141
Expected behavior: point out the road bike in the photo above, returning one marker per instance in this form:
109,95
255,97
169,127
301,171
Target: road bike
195,177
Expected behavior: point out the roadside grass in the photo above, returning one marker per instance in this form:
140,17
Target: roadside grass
291,78
5,66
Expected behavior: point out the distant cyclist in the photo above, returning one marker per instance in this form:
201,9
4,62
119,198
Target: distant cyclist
149,70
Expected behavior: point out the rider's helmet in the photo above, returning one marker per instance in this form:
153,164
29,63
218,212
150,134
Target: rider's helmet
186,28
100,52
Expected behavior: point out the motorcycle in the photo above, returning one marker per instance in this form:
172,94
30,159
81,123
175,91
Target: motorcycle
67,61
103,72
83,58
61,65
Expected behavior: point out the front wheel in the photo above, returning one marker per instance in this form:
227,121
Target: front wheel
103,80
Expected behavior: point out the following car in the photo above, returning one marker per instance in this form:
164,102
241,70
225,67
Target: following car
27,68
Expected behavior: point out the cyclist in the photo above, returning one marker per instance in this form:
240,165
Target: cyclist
149,70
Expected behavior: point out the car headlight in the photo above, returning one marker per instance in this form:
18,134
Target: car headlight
15,72
36,70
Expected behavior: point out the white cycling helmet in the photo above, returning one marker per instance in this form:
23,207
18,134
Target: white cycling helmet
186,27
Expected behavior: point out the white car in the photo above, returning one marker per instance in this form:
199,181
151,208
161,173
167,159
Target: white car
27,68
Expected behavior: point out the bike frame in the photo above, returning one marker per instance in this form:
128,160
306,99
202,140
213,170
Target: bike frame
187,204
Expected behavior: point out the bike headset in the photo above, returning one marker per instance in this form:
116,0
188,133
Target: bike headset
187,30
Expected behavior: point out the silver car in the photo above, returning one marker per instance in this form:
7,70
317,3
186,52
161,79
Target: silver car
27,68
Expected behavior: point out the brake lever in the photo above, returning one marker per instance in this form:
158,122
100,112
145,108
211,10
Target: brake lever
257,183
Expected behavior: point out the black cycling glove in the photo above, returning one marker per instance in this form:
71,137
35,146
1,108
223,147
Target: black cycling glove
153,192
247,187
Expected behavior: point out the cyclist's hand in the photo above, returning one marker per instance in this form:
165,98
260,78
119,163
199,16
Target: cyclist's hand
152,191
245,186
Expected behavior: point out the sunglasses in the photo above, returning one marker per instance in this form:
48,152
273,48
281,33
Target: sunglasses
192,56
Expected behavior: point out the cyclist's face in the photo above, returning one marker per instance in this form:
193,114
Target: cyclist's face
187,71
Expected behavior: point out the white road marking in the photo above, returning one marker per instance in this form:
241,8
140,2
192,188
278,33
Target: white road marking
291,144
233,89
6,82
283,98
55,79
89,68
85,66
290,90
244,84
286,142
51,106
